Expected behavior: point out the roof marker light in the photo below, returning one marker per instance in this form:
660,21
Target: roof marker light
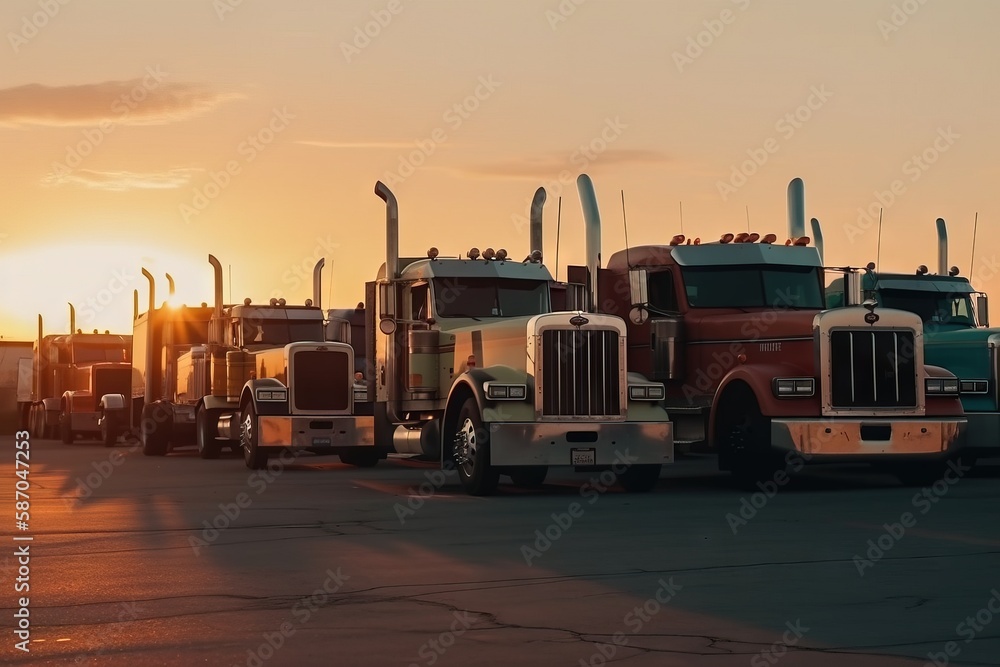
754,237
726,238
677,240
922,270
769,238
953,271
741,237
489,254
473,254
501,254
432,253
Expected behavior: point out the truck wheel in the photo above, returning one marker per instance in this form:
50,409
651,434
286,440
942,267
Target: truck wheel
528,477
154,430
109,429
472,452
65,428
640,478
206,426
364,458
254,456
744,439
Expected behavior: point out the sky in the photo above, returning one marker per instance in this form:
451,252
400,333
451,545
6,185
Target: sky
150,134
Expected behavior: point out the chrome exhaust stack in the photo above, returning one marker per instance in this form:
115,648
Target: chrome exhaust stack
942,232
592,220
135,305
535,229
391,230
72,319
150,325
217,266
170,285
817,236
796,208
318,283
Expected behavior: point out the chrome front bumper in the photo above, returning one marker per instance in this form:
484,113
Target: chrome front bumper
588,443
869,437
314,432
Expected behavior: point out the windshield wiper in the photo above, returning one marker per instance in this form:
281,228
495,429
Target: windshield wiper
462,315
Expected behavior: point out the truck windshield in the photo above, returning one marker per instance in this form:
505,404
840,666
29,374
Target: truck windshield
281,331
488,297
753,287
932,307
92,354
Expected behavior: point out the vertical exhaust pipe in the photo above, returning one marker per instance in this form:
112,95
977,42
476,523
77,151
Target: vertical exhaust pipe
215,329
592,220
170,285
72,319
318,283
391,230
817,236
150,323
535,230
36,373
135,305
796,208
942,232
217,266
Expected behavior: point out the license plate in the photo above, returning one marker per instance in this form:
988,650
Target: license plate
583,457
322,441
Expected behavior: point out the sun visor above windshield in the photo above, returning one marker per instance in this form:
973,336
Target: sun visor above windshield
745,254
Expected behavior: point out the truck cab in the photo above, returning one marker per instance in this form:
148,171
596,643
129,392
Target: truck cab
471,367
759,371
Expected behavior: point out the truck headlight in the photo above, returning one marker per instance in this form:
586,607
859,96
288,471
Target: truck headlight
276,395
646,392
794,387
975,386
500,391
942,386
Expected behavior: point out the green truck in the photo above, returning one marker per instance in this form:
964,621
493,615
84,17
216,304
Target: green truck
957,335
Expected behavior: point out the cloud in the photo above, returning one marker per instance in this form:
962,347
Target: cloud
547,166
123,181
358,144
143,101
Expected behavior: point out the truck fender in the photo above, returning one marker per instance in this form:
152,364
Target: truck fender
212,402
758,378
465,385
112,402
52,404
942,406
249,394
70,398
937,372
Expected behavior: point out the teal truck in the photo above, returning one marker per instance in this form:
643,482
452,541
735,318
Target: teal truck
957,335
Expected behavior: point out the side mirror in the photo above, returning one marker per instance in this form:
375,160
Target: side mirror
983,310
638,280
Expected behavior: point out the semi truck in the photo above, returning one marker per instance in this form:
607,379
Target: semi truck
472,368
957,335
256,377
78,384
757,369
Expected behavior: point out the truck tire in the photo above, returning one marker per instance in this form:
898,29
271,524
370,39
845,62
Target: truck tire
65,428
110,429
253,456
361,458
206,426
154,430
472,452
743,436
640,478
528,477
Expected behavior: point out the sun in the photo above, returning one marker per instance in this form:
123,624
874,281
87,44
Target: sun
99,280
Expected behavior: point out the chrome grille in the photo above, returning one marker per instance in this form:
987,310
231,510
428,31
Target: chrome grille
873,368
580,373
323,380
